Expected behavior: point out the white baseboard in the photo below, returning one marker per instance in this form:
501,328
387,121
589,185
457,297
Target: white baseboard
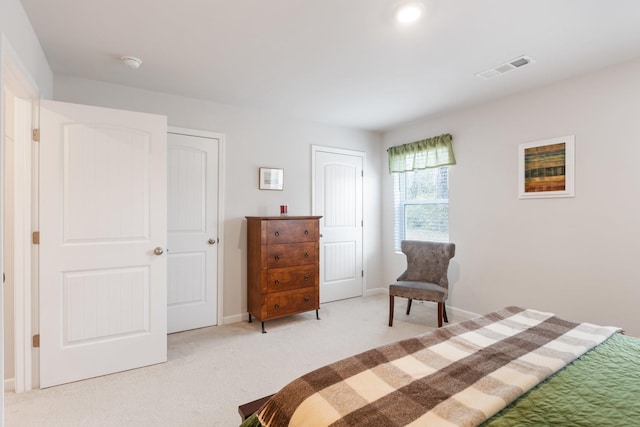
456,311
376,291
463,313
235,318
369,292
245,316
10,384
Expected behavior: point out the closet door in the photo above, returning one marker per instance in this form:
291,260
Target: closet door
338,185
192,231
103,222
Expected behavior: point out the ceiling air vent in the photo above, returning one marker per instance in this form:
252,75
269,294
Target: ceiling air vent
506,67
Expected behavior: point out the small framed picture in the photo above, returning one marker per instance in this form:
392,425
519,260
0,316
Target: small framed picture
546,168
271,179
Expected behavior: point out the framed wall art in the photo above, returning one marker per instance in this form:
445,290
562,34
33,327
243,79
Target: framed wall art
271,179
547,168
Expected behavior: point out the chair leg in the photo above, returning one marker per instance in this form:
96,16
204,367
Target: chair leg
409,306
444,312
391,310
439,315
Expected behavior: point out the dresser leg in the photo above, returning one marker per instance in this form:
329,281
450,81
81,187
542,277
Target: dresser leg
263,331
250,319
317,315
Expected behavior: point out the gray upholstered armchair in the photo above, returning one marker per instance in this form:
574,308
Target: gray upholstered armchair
426,276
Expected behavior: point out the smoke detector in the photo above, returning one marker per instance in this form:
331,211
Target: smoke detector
131,62
501,69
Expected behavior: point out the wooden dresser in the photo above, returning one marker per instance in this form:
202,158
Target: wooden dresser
283,266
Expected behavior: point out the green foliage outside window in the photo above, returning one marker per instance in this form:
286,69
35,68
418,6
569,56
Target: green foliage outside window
422,205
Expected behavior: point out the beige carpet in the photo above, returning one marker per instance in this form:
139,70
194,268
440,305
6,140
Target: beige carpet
211,371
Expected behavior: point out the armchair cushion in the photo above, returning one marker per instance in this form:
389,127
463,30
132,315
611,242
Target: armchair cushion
421,291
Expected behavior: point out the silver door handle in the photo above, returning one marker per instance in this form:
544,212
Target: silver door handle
212,241
158,251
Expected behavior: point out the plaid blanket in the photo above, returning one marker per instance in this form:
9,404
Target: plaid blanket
459,375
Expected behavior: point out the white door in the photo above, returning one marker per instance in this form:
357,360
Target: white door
192,232
103,224
338,198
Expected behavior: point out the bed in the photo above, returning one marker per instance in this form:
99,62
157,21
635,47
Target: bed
513,367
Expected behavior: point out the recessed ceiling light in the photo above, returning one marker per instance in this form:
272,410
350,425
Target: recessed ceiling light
409,12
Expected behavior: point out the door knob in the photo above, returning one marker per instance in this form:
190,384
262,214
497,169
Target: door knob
212,241
158,251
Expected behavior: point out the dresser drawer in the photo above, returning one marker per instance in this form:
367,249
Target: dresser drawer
292,254
283,279
292,231
289,302
283,266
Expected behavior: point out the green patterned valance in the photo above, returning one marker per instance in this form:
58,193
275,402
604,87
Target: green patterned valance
428,153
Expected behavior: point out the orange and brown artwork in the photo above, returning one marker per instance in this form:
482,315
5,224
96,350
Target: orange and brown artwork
545,168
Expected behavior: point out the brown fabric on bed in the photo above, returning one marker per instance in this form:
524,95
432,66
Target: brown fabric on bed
397,384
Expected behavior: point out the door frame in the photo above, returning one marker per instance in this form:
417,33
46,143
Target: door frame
346,152
220,203
14,75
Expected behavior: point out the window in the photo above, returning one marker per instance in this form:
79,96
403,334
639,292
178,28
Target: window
421,202
421,189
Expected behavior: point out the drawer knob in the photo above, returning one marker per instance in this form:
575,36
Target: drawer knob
307,277
277,306
306,254
306,299
306,232
277,233
277,257
277,282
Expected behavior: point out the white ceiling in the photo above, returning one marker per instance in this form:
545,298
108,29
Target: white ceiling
342,62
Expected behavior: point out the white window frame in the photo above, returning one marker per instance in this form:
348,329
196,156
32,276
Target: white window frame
400,203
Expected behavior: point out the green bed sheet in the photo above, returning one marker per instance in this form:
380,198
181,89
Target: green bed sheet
601,388
252,421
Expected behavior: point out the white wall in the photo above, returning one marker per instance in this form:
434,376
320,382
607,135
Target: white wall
18,36
577,257
253,139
